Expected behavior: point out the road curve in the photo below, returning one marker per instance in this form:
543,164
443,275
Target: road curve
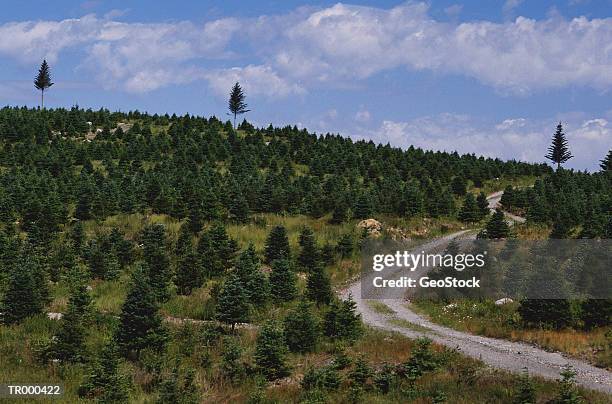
498,353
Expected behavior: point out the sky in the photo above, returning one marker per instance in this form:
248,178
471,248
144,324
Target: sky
487,77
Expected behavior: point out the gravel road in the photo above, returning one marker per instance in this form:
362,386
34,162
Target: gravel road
501,354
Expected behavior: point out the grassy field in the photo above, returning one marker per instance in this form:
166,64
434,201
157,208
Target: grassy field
487,319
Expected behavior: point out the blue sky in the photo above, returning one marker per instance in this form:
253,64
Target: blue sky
489,77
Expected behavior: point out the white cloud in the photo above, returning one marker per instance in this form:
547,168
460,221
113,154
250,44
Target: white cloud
330,46
363,115
510,5
256,80
454,10
520,139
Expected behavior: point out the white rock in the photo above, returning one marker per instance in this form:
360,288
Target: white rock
503,301
55,316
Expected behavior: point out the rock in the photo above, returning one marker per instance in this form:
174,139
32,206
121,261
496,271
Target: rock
372,226
124,127
55,316
89,288
503,301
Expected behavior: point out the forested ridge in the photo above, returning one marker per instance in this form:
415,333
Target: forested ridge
131,225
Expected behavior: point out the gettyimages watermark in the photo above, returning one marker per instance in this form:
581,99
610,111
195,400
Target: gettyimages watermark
474,268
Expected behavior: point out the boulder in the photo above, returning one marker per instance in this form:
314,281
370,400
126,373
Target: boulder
502,301
372,226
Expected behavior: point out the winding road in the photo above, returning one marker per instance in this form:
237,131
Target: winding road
498,353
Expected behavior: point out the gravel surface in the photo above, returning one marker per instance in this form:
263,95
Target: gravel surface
501,354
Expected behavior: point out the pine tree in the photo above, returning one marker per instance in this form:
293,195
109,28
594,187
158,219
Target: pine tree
561,227
270,352
104,379
277,245
363,207
318,286
232,304
301,328
497,227
568,393
236,103
309,254
189,273
43,81
24,296
606,163
525,391
156,261
346,246
248,271
342,320
469,213
283,280
558,152
483,205
459,185
231,355
140,324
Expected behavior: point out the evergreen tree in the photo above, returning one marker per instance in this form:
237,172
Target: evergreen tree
104,379
606,163
497,227
363,207
525,391
237,106
283,280
270,352
483,205
277,245
43,81
248,271
469,213
232,304
231,365
140,324
301,328
189,273
309,254
561,227
568,393
342,320
156,261
459,185
596,313
25,293
558,152
318,286
346,246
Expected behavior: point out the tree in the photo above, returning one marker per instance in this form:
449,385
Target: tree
568,393
26,291
309,254
189,273
525,391
270,352
558,152
342,320
363,207
156,261
606,163
232,304
277,245
104,379
231,355
283,280
140,324
483,205
469,213
237,106
255,282
43,81
318,286
301,328
497,227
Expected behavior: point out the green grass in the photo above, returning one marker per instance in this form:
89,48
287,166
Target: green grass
380,307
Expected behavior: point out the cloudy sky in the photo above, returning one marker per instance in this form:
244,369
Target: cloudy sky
489,77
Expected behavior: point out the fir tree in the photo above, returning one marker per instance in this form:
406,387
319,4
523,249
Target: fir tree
232,304
248,271
104,379
363,207
43,81
525,391
469,213
483,205
277,245
231,364
270,352
236,104
318,286
558,152
140,324
561,227
568,393
301,328
459,185
189,273
346,246
309,254
497,227
156,261
24,296
283,280
342,320
606,163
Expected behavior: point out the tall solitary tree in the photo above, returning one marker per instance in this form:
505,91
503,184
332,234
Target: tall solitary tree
606,164
558,152
237,106
43,81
